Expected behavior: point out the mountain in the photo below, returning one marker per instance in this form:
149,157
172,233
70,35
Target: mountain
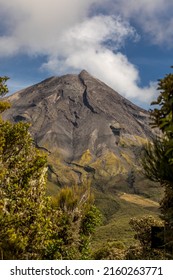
86,127
91,133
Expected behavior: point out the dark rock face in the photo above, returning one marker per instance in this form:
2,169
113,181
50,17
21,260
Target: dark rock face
75,113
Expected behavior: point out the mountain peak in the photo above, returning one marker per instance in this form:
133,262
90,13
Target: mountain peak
75,113
83,72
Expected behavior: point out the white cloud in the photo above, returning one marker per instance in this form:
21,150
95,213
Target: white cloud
34,26
82,46
71,41
154,17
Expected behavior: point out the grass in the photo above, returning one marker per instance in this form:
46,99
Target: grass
127,157
129,140
116,200
118,206
86,158
108,165
136,199
117,212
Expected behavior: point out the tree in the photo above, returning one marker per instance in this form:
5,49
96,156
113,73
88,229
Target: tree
162,117
24,207
158,157
156,161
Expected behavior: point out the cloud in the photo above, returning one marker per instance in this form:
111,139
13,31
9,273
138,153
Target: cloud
34,26
83,46
154,17
92,34
70,40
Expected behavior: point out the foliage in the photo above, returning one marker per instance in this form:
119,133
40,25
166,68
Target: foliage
24,208
3,86
110,251
158,159
143,250
162,115
3,90
78,220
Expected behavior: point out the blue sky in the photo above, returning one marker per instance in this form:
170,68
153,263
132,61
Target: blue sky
126,44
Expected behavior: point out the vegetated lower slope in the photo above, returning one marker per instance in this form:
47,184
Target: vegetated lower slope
118,210
90,133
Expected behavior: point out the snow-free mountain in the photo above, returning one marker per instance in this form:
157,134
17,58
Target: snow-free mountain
83,124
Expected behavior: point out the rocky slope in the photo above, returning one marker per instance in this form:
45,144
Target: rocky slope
86,127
